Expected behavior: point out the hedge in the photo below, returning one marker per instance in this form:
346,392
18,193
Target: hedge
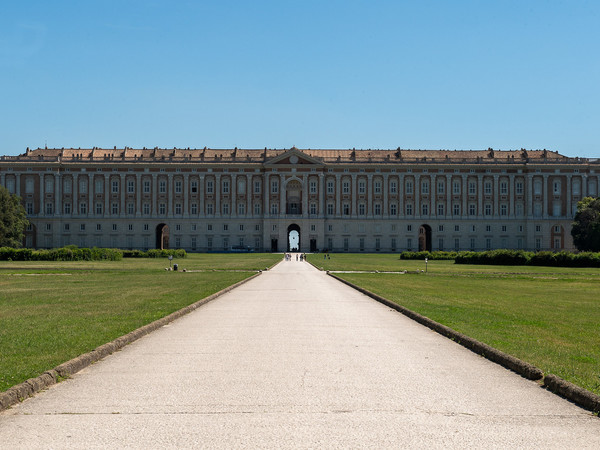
439,255
74,253
523,258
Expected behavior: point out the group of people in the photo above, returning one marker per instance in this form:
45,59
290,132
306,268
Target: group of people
299,256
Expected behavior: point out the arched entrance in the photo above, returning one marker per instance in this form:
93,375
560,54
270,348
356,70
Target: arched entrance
162,236
424,238
293,241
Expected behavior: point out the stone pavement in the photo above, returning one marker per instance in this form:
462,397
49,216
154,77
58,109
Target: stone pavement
295,359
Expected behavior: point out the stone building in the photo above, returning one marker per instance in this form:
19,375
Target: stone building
342,200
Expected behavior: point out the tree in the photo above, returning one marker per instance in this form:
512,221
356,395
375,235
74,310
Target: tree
12,219
586,227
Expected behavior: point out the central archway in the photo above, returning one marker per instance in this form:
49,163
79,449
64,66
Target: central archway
162,236
424,238
293,240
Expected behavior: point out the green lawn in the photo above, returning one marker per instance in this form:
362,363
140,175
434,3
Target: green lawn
51,312
548,316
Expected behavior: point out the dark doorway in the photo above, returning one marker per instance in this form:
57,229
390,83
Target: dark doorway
293,244
313,245
274,245
162,236
424,238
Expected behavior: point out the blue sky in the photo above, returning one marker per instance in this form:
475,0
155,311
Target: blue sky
315,74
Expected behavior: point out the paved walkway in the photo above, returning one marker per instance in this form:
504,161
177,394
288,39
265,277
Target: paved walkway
296,359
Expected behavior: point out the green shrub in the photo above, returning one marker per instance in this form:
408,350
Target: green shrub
69,253
438,255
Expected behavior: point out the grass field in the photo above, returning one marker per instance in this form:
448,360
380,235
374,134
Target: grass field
548,316
51,312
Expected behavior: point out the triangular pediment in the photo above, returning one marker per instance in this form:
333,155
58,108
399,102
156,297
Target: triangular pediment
293,157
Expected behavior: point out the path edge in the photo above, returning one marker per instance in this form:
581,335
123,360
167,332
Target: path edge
32,386
581,397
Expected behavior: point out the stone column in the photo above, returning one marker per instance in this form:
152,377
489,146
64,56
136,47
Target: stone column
266,190
584,185
401,190
249,196
511,195
529,204
281,195
354,197
106,195
479,195
42,189
305,194
18,184
496,198
386,189
186,194
370,195
417,191
75,190
154,201
338,193
218,195
138,193
464,194
201,196
545,197
170,195
448,196
321,206
57,194
569,201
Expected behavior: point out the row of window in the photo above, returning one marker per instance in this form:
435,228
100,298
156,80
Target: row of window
312,186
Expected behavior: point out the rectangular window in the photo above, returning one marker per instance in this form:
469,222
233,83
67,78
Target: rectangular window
130,186
313,187
409,209
488,209
377,187
346,209
209,242
115,186
313,208
225,208
441,244
178,185
194,187
456,209
83,208
67,208
393,188
503,210
146,186
330,208
424,209
441,187
377,244
67,227
377,210
193,243
29,207
362,187
82,227
29,185
519,188
346,244
162,187
504,188
49,184
409,243
274,208
472,244
361,209
49,208
257,209
241,208
456,187
329,186
393,244
362,244
114,227
194,208
472,188
393,209
487,188
83,186
346,187
488,243
472,209
98,227
67,186
504,228
424,187
225,185
274,187
409,187
178,208
209,209
209,186
146,227
162,209
440,209
130,208
257,186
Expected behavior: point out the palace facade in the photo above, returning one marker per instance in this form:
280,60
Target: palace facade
352,200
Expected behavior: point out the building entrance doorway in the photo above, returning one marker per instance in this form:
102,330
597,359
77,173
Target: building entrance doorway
293,238
424,238
313,245
274,245
162,236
